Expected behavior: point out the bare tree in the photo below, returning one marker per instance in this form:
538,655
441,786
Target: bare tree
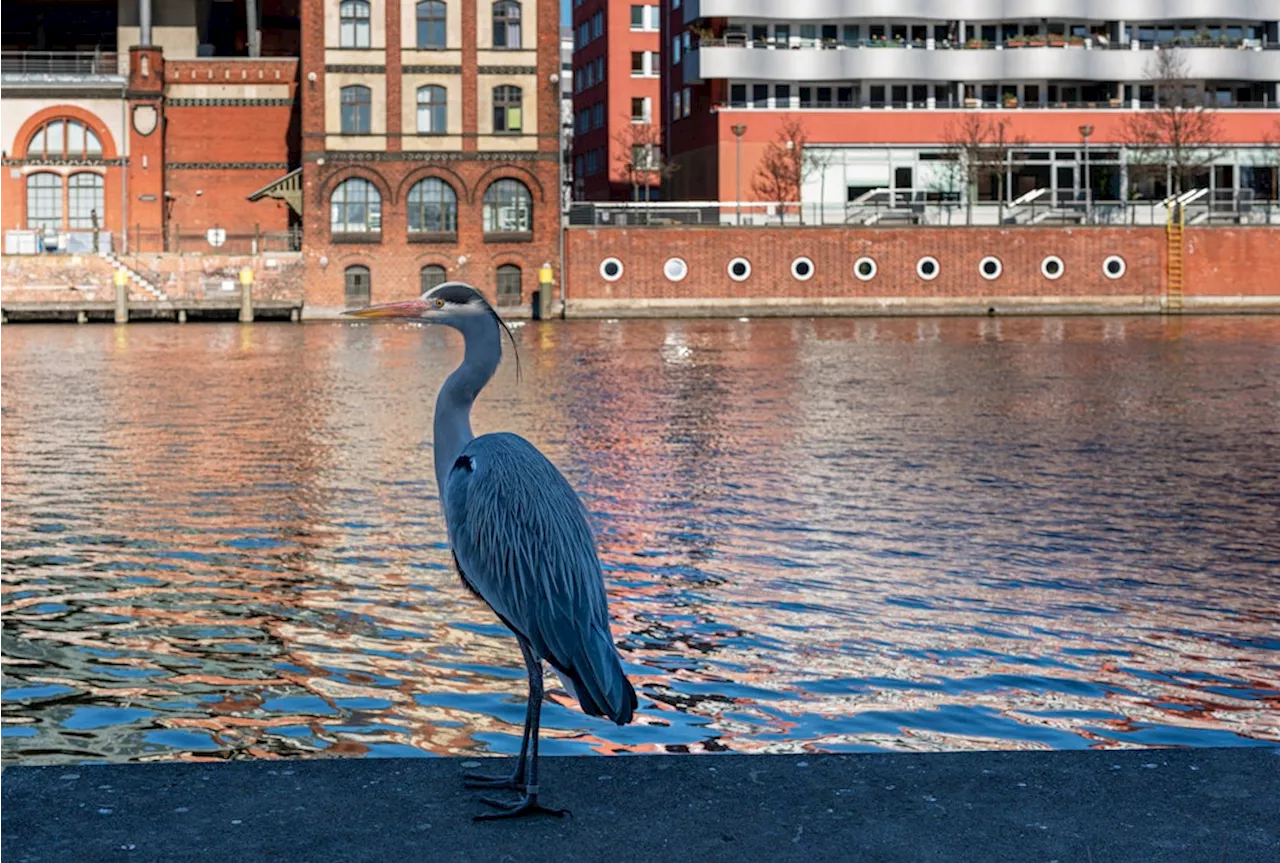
639,155
979,149
1179,137
786,165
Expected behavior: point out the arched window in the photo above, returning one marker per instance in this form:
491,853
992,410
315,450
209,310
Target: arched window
509,289
357,293
353,24
433,207
356,110
506,24
506,109
432,17
508,208
44,201
85,201
355,208
64,139
432,275
433,110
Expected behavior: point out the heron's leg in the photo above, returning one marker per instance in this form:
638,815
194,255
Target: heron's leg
516,779
528,804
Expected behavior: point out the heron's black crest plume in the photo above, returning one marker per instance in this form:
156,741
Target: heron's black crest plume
461,294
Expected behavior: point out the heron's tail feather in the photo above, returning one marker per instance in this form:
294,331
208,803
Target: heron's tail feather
599,683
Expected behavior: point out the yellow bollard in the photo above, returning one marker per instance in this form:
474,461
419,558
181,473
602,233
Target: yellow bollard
546,278
246,296
121,278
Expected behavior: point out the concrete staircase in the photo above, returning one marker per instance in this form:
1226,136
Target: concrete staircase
136,280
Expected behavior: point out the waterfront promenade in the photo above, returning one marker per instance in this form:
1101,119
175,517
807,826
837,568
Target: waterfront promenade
1186,805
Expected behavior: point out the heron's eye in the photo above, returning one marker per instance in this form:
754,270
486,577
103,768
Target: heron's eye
438,302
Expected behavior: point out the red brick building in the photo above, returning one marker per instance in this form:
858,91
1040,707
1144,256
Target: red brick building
146,148
617,109
430,148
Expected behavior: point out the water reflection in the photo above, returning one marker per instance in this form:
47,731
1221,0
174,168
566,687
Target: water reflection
223,541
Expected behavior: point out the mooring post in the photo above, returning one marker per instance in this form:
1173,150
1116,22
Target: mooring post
182,316
122,297
293,315
246,296
82,317
546,279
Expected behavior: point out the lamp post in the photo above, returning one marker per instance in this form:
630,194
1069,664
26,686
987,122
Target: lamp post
1085,131
739,130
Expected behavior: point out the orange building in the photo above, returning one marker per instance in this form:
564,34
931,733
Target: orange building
617,109
883,99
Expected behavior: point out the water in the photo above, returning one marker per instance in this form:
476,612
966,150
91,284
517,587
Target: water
223,541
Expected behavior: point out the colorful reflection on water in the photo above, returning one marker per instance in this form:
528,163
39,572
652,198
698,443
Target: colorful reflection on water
223,541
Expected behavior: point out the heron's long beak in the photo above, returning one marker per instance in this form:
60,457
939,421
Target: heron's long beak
406,309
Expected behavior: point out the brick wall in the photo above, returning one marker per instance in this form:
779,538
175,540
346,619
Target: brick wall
1232,261
834,251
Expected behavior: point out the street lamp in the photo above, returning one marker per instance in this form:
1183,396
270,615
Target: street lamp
739,130
1085,131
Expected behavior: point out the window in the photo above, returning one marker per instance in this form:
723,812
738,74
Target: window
506,110
645,63
506,24
782,95
675,105
355,208
597,25
356,110
737,95
675,49
64,139
646,157
433,110
687,96
432,275
433,207
760,95
509,291
432,17
353,24
597,115
357,294
44,201
644,18
640,110
508,208
85,201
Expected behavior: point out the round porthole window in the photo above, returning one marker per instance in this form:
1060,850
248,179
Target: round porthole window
865,269
802,269
990,268
675,269
611,269
739,269
1051,267
1113,267
927,268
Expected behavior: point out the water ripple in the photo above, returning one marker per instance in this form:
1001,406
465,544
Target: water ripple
224,542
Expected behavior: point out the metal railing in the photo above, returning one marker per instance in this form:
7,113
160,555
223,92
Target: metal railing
884,207
71,63
175,240
1055,40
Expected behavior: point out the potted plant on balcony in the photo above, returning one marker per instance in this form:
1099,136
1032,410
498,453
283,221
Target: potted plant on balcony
1076,40
1016,42
977,43
1036,42
1057,40
1010,100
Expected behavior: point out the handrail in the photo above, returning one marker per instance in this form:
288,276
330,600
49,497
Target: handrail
59,63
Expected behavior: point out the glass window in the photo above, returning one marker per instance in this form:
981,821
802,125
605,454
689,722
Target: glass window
737,95
506,24
433,110
355,208
637,62
432,275
637,17
85,201
44,201
432,18
760,95
782,95
782,34
506,109
64,139
508,208
357,293
640,110
433,207
509,290
356,105
353,24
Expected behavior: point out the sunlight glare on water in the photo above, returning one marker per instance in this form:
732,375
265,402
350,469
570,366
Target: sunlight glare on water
223,541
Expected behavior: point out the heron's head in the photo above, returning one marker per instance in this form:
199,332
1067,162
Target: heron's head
454,304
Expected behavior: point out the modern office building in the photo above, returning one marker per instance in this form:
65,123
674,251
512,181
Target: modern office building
430,147
617,109
881,92
145,126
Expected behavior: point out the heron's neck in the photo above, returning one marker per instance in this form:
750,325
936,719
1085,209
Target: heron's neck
453,404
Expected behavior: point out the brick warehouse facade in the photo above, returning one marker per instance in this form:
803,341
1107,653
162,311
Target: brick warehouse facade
407,125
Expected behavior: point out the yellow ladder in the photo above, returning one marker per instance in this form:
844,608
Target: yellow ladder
1173,234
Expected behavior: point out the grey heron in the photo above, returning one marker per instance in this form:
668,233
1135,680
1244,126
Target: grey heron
520,539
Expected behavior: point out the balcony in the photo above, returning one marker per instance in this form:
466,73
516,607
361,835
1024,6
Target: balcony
737,58
60,68
979,10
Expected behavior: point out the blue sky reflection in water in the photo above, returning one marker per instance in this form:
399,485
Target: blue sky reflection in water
223,541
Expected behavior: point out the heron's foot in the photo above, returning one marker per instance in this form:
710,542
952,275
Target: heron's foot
514,782
526,805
